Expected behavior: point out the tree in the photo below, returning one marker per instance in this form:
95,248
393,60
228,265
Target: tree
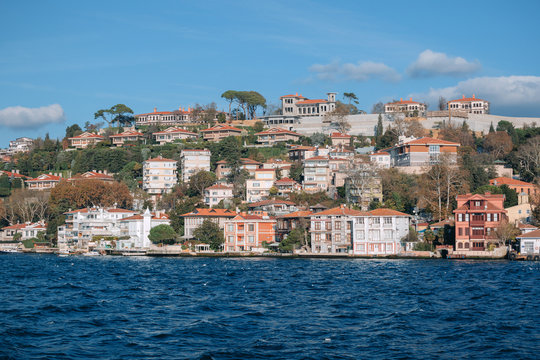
506,232
498,143
491,129
292,241
379,130
209,233
529,159
297,171
162,234
25,206
319,139
377,108
388,139
338,117
442,103
200,181
229,95
116,113
258,126
351,97
73,130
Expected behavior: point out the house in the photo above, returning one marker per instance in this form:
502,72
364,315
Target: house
15,174
346,231
530,243
411,152
301,152
408,107
283,166
317,174
471,105
84,227
159,175
285,186
217,193
192,161
27,230
294,220
138,228
172,134
43,182
93,175
363,187
476,218
194,219
84,140
223,169
293,105
22,144
339,139
159,118
273,206
525,228
220,132
517,185
249,232
339,169
381,159
258,188
276,135
126,136
520,212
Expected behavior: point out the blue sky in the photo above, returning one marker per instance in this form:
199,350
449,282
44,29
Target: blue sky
60,61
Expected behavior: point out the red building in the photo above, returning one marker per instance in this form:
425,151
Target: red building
476,218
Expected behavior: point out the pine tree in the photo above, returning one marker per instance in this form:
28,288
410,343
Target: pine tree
491,129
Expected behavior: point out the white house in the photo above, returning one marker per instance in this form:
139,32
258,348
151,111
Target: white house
471,105
300,105
192,161
214,194
258,188
530,243
139,226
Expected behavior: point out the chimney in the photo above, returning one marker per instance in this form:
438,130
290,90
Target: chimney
464,96
155,109
473,96
400,99
410,98
296,94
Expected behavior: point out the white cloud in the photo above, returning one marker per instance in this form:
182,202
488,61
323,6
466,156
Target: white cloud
362,71
430,63
508,95
23,117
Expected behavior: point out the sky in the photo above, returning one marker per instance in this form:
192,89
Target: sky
61,61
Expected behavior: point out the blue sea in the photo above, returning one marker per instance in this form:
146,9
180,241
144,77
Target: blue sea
238,308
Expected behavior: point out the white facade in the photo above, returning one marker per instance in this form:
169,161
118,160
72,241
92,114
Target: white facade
172,134
214,194
381,159
159,175
22,144
379,235
471,105
193,161
138,228
407,107
259,188
316,174
298,105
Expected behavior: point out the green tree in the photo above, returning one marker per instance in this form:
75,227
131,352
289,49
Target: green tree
491,129
209,233
116,113
162,234
297,171
73,130
292,241
200,181
258,126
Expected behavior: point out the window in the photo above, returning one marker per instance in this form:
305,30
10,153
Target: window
251,239
251,227
338,237
338,225
387,220
348,225
434,149
387,234
230,227
467,231
318,225
388,247
360,234
361,247
460,231
328,225
360,220
231,239
317,237
375,220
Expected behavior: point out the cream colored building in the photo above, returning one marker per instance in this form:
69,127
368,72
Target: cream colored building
407,107
214,194
520,212
220,132
299,105
471,105
192,161
276,135
258,188
317,174
126,136
159,175
172,134
84,140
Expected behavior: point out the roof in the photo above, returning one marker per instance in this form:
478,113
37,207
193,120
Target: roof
160,159
509,181
211,213
318,158
221,128
36,225
277,131
128,133
173,130
219,187
431,141
161,216
87,135
270,202
401,101
297,214
91,175
303,147
443,223
112,210
530,235
296,96
13,174
196,150
244,216
314,101
244,161
45,177
521,225
467,99
165,112
341,210
340,135
380,153
386,212
284,181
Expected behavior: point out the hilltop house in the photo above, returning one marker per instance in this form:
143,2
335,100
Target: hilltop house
220,132
43,182
471,105
172,134
276,135
408,107
126,136
84,140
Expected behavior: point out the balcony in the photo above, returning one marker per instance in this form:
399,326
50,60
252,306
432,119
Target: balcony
477,222
477,236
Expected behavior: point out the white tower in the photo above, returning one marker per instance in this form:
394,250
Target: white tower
147,225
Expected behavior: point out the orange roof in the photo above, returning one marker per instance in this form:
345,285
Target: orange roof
381,153
91,175
340,135
531,234
166,112
277,131
431,141
297,214
509,181
270,202
221,128
401,101
303,147
128,133
314,101
244,216
87,135
341,210
160,158
173,130
386,212
466,99
13,174
526,226
296,96
219,187
36,225
211,213
162,216
45,177
284,181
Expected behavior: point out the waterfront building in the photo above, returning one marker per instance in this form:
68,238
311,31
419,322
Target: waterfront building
194,219
173,134
219,132
294,220
217,193
477,217
194,160
138,228
471,105
159,175
248,232
258,188
44,182
409,108
85,140
529,242
276,135
27,230
126,136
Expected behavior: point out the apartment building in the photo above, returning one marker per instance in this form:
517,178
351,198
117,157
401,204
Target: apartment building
126,136
44,182
407,107
362,188
476,218
411,152
381,159
173,134
248,232
159,175
220,132
472,105
286,186
192,161
258,189
85,140
293,105
223,169
317,175
217,193
22,144
284,167
276,135
194,219
301,152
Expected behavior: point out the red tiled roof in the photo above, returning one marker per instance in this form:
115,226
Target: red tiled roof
13,174
162,216
243,216
219,187
340,135
296,96
410,101
509,181
270,202
297,214
277,131
531,234
314,101
345,211
91,175
466,99
211,213
159,158
128,133
431,141
45,177
284,181
303,147
386,212
526,226
221,128
35,225
87,135
381,153
173,130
